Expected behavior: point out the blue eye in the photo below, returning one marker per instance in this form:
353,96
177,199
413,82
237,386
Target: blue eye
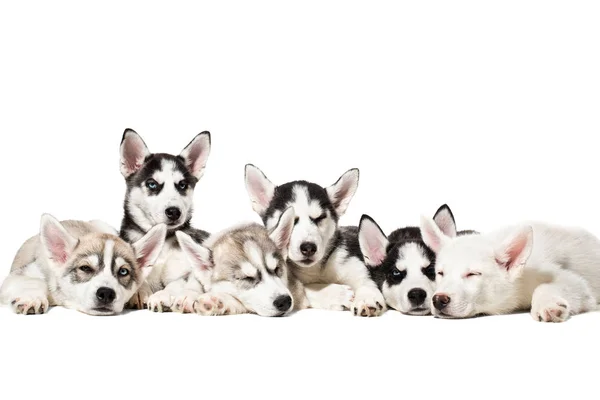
396,272
151,184
183,185
123,272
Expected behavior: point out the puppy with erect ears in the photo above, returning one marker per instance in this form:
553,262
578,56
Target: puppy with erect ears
79,265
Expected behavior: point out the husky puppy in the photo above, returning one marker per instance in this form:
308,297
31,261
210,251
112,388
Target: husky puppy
79,265
243,270
160,189
553,271
324,257
401,264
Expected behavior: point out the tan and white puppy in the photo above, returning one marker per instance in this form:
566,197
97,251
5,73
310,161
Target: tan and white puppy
80,265
243,270
550,270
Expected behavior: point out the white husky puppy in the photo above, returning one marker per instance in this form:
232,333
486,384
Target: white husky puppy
79,265
553,271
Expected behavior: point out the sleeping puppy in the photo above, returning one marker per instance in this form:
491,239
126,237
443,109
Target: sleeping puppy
401,264
243,270
79,265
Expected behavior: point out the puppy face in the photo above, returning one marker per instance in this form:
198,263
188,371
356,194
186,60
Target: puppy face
402,265
98,273
475,274
317,210
160,187
248,263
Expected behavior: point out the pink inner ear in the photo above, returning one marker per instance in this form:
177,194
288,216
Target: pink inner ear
147,250
514,251
376,253
56,244
194,158
134,154
258,190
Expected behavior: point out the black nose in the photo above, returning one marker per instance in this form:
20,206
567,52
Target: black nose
105,295
283,303
173,213
308,249
417,297
440,301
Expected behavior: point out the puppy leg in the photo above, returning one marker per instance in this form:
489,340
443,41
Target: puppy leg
139,301
186,301
368,301
568,294
329,296
216,303
162,301
25,295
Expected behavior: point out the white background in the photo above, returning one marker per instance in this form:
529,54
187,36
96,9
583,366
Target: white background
490,107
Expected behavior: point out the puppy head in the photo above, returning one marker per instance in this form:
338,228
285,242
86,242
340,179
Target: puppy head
248,263
317,210
98,273
476,274
160,187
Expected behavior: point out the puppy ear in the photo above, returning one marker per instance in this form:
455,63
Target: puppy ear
133,152
341,192
372,241
149,247
514,251
259,188
196,154
444,219
56,241
433,237
197,255
282,233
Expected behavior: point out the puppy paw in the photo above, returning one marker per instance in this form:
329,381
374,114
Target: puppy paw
30,305
368,304
551,310
161,301
139,301
185,303
337,297
217,304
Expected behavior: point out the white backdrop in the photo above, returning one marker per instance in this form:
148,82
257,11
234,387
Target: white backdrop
489,107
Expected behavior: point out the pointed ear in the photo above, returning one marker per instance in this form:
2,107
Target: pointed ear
514,251
259,188
149,247
372,241
433,237
444,219
197,255
196,154
56,241
282,233
133,152
341,192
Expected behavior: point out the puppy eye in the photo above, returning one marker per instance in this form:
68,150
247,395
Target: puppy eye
471,274
86,268
440,273
182,185
249,279
123,272
319,218
278,271
151,184
396,272
296,221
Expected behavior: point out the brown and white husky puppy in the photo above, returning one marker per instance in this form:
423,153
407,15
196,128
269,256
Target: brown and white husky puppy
243,270
79,265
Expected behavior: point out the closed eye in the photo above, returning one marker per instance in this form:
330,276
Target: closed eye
471,274
319,218
440,273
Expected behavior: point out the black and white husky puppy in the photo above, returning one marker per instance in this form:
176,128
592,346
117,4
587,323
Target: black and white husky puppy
160,189
323,256
401,264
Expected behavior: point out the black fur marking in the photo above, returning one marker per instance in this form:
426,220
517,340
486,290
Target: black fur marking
284,196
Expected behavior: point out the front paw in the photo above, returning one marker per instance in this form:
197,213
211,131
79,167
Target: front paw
139,301
186,303
337,297
161,301
551,310
368,304
216,304
30,305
